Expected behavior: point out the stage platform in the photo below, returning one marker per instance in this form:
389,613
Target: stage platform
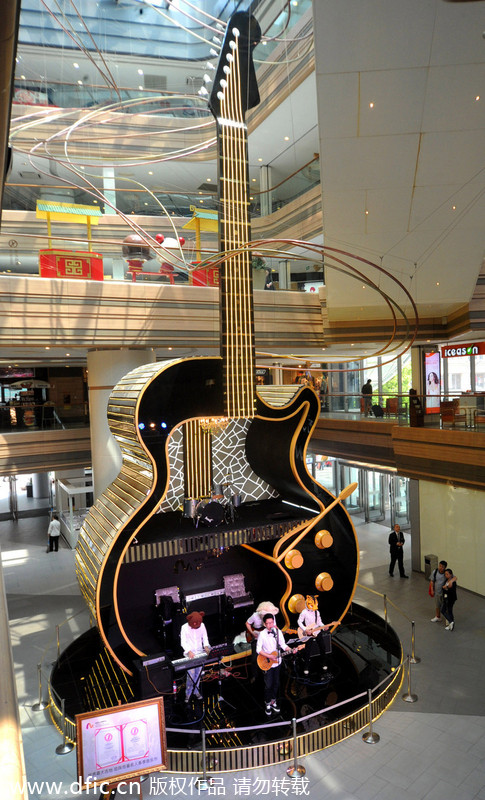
328,704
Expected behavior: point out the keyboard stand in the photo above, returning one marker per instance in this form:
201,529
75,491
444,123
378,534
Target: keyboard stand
220,698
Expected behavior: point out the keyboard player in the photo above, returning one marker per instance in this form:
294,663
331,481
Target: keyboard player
194,641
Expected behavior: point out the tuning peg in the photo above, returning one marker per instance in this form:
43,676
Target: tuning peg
207,78
226,69
213,52
209,65
216,40
203,91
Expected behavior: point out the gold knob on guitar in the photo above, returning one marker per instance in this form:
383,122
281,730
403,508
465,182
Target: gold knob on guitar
293,559
323,539
324,582
296,603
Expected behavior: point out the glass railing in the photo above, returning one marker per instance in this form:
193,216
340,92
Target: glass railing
22,417
38,94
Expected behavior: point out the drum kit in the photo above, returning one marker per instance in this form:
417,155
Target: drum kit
215,510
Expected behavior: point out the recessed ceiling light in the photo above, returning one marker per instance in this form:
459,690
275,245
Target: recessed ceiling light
260,159
140,87
371,105
140,72
437,283
150,172
366,212
68,354
75,65
80,83
253,180
47,348
23,77
287,138
477,97
453,208
208,180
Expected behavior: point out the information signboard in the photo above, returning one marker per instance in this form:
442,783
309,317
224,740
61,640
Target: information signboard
121,743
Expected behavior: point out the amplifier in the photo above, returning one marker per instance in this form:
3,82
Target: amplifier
155,676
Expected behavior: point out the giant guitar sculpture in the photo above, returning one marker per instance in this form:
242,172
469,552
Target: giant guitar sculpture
153,402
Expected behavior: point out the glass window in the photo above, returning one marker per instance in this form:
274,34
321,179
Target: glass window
459,375
480,373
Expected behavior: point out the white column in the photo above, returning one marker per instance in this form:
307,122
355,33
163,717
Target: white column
277,374
40,484
284,274
105,369
109,189
266,197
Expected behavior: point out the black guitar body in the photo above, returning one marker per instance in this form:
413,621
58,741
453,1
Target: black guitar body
174,393
276,446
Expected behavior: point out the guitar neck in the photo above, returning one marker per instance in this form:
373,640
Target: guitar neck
237,93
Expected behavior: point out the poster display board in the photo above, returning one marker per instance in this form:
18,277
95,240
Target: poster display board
121,743
432,382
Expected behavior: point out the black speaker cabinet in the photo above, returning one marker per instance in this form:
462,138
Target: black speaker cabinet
155,676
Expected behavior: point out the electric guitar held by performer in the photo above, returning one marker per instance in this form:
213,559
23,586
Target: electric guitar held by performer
313,630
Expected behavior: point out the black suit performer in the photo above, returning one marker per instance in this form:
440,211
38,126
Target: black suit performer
396,544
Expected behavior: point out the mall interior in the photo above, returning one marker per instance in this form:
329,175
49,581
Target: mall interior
365,180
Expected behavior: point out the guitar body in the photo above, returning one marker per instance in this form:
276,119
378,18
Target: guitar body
145,407
276,445
264,662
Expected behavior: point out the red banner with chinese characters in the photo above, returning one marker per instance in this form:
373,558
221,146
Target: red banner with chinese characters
208,276
71,264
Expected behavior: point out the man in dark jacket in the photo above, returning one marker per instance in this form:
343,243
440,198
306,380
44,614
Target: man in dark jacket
367,395
396,544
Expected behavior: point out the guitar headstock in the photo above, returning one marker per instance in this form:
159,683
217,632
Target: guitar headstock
238,74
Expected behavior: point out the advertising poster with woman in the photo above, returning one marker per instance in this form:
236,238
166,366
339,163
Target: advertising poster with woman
432,384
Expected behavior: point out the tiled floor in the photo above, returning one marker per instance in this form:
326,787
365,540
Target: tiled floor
434,748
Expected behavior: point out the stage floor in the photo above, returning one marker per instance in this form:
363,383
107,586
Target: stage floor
366,654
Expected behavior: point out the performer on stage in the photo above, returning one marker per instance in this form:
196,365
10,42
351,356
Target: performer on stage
271,644
310,624
194,641
254,626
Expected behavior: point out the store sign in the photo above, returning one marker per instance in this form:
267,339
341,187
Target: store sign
463,350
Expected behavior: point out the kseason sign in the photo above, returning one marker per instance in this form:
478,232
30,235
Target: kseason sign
463,350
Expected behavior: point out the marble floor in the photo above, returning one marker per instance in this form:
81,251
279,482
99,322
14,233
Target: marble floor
428,750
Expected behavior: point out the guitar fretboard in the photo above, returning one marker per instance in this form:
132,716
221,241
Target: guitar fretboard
236,286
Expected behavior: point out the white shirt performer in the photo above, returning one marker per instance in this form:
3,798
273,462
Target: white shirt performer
194,641
53,533
310,624
271,643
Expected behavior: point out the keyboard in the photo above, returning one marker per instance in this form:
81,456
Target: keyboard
216,654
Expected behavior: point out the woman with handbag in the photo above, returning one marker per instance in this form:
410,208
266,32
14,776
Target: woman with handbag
449,599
